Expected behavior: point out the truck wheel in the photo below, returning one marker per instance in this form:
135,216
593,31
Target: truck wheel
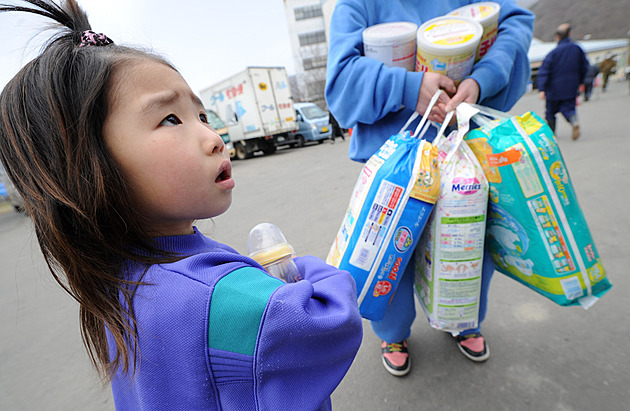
241,152
300,141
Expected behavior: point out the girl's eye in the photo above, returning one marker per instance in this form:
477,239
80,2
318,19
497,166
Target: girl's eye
203,118
170,120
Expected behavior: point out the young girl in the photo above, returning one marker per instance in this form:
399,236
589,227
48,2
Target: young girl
114,158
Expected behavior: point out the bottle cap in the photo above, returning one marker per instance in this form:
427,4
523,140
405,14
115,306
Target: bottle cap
266,244
271,255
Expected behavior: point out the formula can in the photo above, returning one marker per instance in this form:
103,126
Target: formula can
448,45
393,44
487,14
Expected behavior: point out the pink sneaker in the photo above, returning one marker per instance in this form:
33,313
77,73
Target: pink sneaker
473,346
396,358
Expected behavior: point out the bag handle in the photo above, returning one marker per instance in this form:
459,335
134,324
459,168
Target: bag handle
411,119
485,114
439,138
425,116
464,113
489,112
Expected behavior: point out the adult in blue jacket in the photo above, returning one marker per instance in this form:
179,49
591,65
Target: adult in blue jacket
376,100
560,77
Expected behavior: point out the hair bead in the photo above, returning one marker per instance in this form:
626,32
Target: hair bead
90,38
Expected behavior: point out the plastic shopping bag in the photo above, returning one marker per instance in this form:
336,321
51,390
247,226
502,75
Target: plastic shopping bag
389,207
449,258
536,231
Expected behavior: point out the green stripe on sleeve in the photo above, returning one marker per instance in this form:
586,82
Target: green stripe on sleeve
236,307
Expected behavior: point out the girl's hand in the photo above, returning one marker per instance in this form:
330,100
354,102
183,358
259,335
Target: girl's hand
431,82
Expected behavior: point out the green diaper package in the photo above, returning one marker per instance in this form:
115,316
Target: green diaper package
536,231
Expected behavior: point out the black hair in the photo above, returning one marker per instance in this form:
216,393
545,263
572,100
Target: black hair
52,147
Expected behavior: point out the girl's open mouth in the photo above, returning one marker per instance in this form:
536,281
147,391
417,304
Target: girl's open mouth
225,175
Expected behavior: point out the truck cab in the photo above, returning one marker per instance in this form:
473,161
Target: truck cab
313,122
219,126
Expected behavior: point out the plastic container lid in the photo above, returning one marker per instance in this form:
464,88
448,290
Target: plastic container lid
485,13
390,34
266,244
449,35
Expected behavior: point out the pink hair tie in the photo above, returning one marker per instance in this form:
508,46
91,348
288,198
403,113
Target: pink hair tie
90,38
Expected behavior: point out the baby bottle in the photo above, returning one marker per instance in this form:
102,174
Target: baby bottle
267,245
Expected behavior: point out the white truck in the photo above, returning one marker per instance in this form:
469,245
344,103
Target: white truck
257,107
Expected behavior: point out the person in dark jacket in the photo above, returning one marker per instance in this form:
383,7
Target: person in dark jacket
591,73
560,77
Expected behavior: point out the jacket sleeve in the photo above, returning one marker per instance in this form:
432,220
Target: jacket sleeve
585,68
310,334
503,73
359,88
544,72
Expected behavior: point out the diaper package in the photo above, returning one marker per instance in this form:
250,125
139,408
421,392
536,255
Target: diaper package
389,207
536,231
449,258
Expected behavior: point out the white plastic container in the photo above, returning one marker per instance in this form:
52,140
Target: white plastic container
268,247
487,14
393,44
448,45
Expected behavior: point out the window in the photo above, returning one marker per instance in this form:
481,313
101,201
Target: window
313,112
307,12
313,37
314,62
214,120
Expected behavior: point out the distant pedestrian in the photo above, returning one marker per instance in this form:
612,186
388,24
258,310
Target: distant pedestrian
607,68
337,131
560,77
589,80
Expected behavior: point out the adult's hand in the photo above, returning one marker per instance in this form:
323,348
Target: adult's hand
541,95
431,82
467,92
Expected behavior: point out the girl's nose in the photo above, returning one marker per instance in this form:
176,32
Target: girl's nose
214,142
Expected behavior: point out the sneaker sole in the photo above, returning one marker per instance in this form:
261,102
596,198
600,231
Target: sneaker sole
397,373
479,358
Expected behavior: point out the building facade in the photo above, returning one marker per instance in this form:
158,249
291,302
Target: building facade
308,22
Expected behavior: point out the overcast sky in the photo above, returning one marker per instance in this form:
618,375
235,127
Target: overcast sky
207,40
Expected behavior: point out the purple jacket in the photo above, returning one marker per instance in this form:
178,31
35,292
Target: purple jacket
562,71
216,332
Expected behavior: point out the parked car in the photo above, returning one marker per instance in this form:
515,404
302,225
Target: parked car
313,122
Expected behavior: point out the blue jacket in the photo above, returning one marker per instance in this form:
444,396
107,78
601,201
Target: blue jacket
376,100
562,71
218,333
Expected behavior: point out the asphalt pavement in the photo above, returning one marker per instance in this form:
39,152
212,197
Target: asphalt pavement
543,356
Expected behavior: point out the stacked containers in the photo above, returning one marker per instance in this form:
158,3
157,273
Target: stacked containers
448,45
393,44
487,14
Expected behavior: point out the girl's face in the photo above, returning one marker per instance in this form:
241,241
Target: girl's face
157,132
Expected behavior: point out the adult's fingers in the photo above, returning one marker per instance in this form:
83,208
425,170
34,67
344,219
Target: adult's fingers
448,85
